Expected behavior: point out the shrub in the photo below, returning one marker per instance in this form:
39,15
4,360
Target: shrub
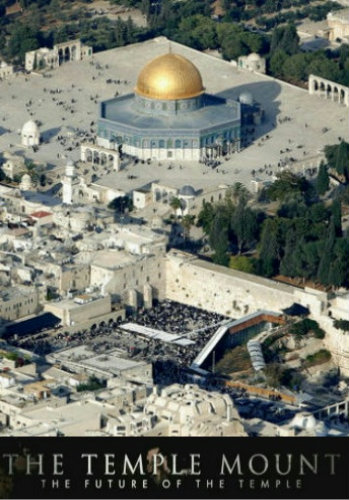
319,357
341,324
305,326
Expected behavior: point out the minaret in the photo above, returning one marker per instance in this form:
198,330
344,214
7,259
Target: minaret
68,180
26,183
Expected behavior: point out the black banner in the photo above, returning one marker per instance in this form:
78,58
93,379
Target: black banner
174,467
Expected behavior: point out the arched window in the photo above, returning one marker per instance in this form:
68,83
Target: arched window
178,143
161,143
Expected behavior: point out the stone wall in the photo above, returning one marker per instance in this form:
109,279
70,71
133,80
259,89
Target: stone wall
235,294
218,289
337,342
133,275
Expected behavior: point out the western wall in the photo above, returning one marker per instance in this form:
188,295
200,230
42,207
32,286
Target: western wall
233,293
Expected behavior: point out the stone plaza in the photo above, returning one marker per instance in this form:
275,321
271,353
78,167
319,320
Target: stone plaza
65,102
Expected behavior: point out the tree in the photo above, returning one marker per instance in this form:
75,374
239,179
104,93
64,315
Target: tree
324,67
341,324
121,204
336,211
242,263
285,38
270,248
23,38
337,157
198,32
342,160
206,217
42,180
327,255
231,41
176,205
295,68
238,193
288,183
244,225
322,180
273,375
187,222
218,238
277,62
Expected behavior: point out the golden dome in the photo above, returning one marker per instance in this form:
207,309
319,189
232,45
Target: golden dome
170,76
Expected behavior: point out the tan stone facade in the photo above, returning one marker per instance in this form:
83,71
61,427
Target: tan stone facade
338,23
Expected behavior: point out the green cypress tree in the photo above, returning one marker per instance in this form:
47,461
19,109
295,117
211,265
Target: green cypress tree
322,180
219,240
327,255
342,160
336,210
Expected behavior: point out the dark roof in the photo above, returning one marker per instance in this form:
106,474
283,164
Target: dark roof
32,325
296,310
187,191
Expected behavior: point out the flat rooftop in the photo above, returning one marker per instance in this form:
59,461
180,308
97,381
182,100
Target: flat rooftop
82,85
113,259
110,361
154,334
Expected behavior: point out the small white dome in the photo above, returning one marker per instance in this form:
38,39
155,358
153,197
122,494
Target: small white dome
305,421
3,64
30,128
254,57
246,98
26,178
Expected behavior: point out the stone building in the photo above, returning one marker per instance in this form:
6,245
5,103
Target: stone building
252,62
80,309
77,190
170,115
19,301
338,23
6,70
30,134
327,89
13,165
191,411
72,50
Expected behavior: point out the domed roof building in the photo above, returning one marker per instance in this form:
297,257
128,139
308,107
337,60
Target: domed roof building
30,134
170,76
170,116
187,191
